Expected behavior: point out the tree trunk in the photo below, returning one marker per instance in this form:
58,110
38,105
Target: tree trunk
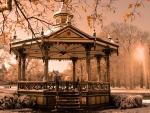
141,81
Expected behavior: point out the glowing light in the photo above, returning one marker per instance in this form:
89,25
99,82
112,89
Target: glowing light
140,56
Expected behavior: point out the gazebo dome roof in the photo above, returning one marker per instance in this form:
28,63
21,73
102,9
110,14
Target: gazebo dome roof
62,17
62,10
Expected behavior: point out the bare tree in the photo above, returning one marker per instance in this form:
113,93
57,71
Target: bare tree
127,36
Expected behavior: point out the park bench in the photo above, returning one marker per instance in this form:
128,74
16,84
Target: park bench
7,86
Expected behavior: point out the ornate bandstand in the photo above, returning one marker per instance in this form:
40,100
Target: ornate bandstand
64,42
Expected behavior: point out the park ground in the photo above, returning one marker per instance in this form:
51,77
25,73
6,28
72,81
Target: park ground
144,109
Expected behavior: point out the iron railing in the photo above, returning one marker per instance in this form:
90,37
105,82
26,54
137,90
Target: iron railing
63,86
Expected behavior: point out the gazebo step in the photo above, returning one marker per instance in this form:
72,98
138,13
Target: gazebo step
68,103
68,100
68,107
65,100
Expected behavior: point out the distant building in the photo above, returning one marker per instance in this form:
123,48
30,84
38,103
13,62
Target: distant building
53,75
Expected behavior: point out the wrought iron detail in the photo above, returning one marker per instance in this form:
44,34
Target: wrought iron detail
64,86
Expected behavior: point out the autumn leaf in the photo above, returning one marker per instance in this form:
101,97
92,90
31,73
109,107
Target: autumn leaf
89,20
76,6
70,8
94,5
66,1
130,6
48,0
35,3
107,5
83,8
139,14
39,15
100,15
100,20
124,20
44,10
126,15
137,5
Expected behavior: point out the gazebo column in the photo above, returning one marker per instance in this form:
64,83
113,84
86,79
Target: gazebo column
107,53
74,59
88,68
23,58
19,68
46,66
20,63
98,58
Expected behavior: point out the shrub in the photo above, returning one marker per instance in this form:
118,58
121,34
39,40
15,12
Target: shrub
127,101
12,101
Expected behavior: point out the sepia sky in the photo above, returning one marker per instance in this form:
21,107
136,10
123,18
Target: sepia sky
142,22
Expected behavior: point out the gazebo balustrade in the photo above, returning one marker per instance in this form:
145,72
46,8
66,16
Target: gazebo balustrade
63,86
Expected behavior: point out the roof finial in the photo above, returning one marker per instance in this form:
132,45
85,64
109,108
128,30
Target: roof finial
42,32
94,33
110,39
109,36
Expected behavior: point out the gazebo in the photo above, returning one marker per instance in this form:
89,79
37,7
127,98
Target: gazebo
64,42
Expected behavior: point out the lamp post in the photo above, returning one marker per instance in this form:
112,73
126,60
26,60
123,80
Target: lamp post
15,35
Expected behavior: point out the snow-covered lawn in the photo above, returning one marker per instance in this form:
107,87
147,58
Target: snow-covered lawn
144,109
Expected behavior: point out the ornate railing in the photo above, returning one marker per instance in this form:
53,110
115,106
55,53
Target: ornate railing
63,86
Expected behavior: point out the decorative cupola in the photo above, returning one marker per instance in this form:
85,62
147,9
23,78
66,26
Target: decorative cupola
62,17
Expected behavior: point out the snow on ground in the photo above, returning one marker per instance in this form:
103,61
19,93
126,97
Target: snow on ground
144,109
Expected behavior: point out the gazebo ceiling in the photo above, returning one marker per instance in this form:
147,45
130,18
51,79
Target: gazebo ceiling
63,44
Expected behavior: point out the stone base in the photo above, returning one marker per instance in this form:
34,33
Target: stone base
88,100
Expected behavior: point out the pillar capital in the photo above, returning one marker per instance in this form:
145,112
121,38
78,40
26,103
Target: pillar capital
45,46
98,56
20,52
107,51
74,59
88,47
